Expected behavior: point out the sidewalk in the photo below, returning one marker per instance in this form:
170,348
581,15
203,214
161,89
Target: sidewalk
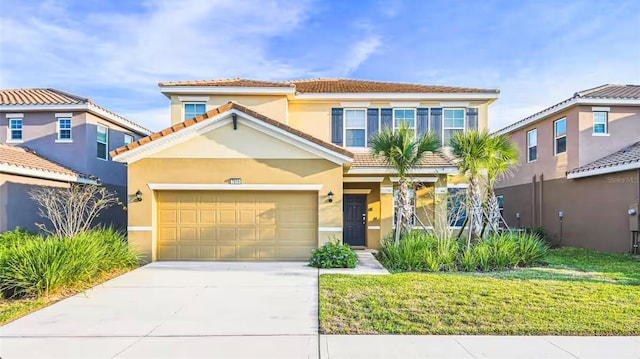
454,346
367,264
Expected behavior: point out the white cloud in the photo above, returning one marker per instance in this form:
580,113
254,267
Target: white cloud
359,53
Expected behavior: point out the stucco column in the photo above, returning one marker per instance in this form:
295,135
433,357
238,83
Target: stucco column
440,220
386,208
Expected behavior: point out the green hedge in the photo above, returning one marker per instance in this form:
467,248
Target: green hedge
421,251
33,265
333,255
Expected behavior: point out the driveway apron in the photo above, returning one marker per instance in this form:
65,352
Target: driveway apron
179,309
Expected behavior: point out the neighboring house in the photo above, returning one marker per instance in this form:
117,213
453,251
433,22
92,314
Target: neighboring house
580,157
255,170
71,131
20,171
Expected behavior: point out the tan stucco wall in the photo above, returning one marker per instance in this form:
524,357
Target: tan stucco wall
274,107
623,128
595,209
218,171
547,164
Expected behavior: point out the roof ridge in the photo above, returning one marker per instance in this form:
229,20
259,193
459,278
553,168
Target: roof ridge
70,95
593,89
229,79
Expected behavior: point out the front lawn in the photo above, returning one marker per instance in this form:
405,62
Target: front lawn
577,292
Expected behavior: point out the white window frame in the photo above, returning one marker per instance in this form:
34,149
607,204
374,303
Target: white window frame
184,111
126,135
59,130
415,118
106,143
529,146
556,137
606,123
10,130
344,127
464,122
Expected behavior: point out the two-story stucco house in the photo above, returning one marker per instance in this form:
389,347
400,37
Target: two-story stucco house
579,172
70,135
258,170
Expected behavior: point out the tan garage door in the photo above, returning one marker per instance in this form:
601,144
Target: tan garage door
236,225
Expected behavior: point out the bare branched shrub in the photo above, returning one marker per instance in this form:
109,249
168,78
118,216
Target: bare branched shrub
443,226
72,210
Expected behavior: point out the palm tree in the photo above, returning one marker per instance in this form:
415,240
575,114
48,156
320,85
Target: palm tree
403,150
471,150
503,156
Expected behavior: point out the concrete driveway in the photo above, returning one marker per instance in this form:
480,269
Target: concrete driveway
179,310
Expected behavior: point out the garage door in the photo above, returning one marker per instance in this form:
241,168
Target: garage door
236,225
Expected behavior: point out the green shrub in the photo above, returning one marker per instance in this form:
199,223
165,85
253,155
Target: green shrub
422,251
543,234
333,255
36,266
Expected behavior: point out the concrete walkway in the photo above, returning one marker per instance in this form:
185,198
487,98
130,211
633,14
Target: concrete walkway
416,346
179,310
367,264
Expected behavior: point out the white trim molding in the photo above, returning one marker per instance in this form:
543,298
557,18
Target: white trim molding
139,228
193,98
14,115
362,179
387,170
355,104
416,179
601,171
233,187
357,191
457,185
456,104
223,119
373,227
601,109
30,172
64,114
404,104
329,229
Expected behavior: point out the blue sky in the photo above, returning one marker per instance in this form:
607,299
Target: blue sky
115,52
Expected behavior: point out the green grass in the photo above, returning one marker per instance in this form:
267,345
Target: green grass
577,292
13,309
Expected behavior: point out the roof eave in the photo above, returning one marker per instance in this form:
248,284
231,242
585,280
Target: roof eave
604,170
233,90
48,175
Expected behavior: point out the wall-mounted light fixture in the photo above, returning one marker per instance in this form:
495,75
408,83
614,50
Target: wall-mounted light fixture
139,196
561,216
330,195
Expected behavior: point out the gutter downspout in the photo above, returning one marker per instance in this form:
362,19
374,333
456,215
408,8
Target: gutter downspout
533,201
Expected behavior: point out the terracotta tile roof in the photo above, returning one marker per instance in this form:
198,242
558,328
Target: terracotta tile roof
333,86
23,157
235,82
366,86
222,109
40,96
436,159
50,96
613,92
627,155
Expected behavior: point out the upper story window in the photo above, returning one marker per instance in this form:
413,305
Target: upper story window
453,122
102,139
128,139
15,129
560,136
600,122
355,127
64,129
192,110
404,118
532,145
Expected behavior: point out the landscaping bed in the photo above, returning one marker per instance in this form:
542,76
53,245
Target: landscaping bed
573,292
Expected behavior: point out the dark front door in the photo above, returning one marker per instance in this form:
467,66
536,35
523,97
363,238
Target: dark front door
355,219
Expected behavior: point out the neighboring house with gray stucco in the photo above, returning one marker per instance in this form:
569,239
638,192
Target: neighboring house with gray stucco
68,130
579,172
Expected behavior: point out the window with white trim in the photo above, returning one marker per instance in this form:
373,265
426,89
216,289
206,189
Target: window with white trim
194,109
102,139
560,136
355,127
532,145
15,129
64,129
453,122
404,117
456,206
600,122
128,139
412,200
